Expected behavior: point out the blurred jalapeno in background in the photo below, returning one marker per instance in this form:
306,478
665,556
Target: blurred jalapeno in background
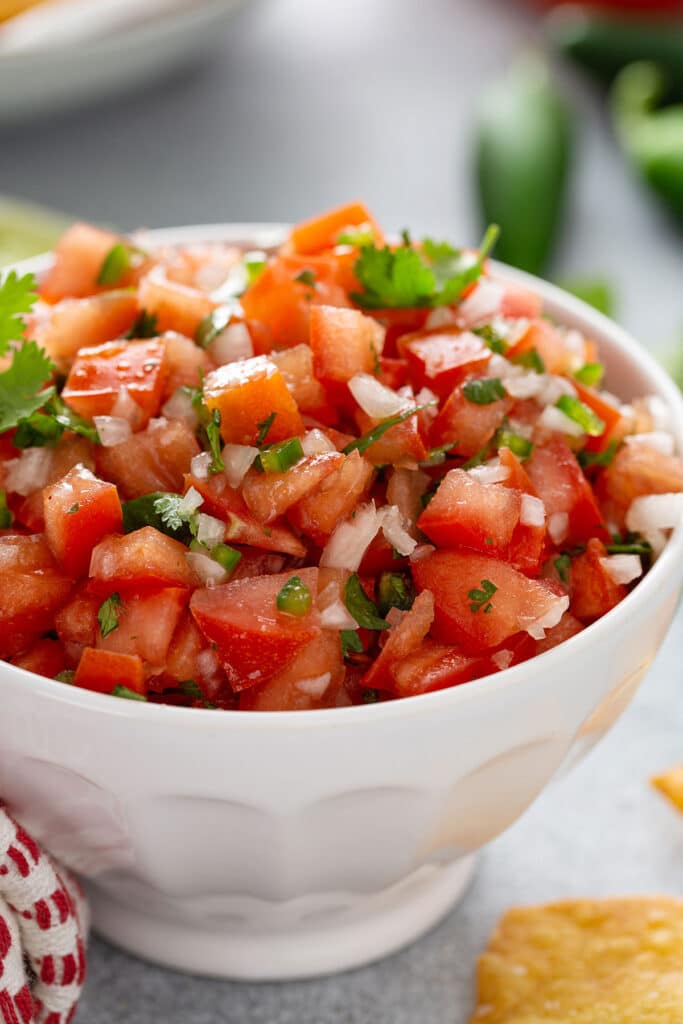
652,138
604,43
523,144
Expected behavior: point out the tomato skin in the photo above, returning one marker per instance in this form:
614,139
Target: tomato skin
74,323
45,658
296,366
518,477
317,514
101,671
435,667
76,621
519,302
466,425
79,256
254,640
322,232
79,510
393,372
440,360
269,495
283,692
467,513
452,574
562,486
402,639
146,623
143,558
176,306
567,627
594,592
636,470
246,394
33,589
98,374
154,459
344,342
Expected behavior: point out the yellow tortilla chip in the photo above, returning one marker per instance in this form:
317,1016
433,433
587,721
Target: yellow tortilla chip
671,785
612,961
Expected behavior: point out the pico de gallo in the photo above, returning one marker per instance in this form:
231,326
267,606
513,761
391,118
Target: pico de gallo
342,472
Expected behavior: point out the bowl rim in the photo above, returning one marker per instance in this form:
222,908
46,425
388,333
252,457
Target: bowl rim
265,235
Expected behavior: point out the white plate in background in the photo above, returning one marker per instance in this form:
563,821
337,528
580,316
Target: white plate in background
51,80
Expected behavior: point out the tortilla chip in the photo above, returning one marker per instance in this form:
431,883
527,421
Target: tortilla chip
671,785
612,961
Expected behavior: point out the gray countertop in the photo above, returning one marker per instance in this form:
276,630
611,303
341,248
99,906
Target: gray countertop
308,103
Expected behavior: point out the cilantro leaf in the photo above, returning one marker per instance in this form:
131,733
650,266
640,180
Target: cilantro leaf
17,296
47,426
144,326
159,509
21,384
306,277
361,607
365,440
350,642
124,691
482,598
174,514
108,615
115,264
484,390
263,428
392,279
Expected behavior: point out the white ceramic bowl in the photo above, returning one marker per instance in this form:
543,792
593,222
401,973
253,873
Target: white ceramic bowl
278,845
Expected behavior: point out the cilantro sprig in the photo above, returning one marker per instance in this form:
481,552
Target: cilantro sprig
108,615
361,607
17,296
481,599
22,385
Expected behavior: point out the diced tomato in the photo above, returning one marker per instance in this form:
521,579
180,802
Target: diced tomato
594,592
616,426
176,306
101,671
246,394
393,373
398,323
79,256
76,622
435,667
344,342
243,527
146,623
74,323
636,470
296,366
465,512
466,425
453,576
400,445
79,511
32,591
311,681
518,477
334,500
142,558
187,363
542,336
519,302
442,359
45,658
562,486
254,640
99,373
402,640
269,495
322,232
567,627
283,302
156,459
380,557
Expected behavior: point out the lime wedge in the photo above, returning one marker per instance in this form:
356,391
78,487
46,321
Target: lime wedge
27,229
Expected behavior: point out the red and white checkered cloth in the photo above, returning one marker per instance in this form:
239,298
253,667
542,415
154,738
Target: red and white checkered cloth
43,927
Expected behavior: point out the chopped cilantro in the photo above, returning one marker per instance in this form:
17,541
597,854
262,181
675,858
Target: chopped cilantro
361,607
306,277
126,693
496,342
6,517
144,326
604,458
21,385
590,374
17,296
350,642
482,598
74,508
629,544
108,616
395,590
212,325
47,426
530,359
370,696
436,456
563,564
484,390
582,414
263,428
365,440
145,511
213,437
115,264
192,689
67,675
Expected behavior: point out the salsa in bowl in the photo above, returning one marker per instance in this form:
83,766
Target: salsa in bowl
333,471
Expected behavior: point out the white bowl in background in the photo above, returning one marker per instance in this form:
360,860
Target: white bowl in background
277,845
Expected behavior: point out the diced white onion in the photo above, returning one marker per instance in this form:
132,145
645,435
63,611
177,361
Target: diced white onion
490,472
191,501
374,398
395,616
442,316
481,305
522,385
208,571
29,472
337,616
659,412
232,344
208,664
622,568
179,407
210,531
126,408
237,459
395,532
351,539
316,442
554,419
502,659
425,396
112,430
657,439
422,551
537,628
316,686
558,526
654,512
532,512
199,467
553,387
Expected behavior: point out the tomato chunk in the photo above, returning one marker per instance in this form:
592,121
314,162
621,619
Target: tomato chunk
269,495
45,658
99,373
176,306
344,342
465,512
33,589
73,323
155,459
594,592
567,627
563,488
322,232
79,511
101,671
466,425
296,366
144,557
334,500
435,667
79,256
311,681
402,640
636,470
516,602
444,359
246,394
146,622
254,639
